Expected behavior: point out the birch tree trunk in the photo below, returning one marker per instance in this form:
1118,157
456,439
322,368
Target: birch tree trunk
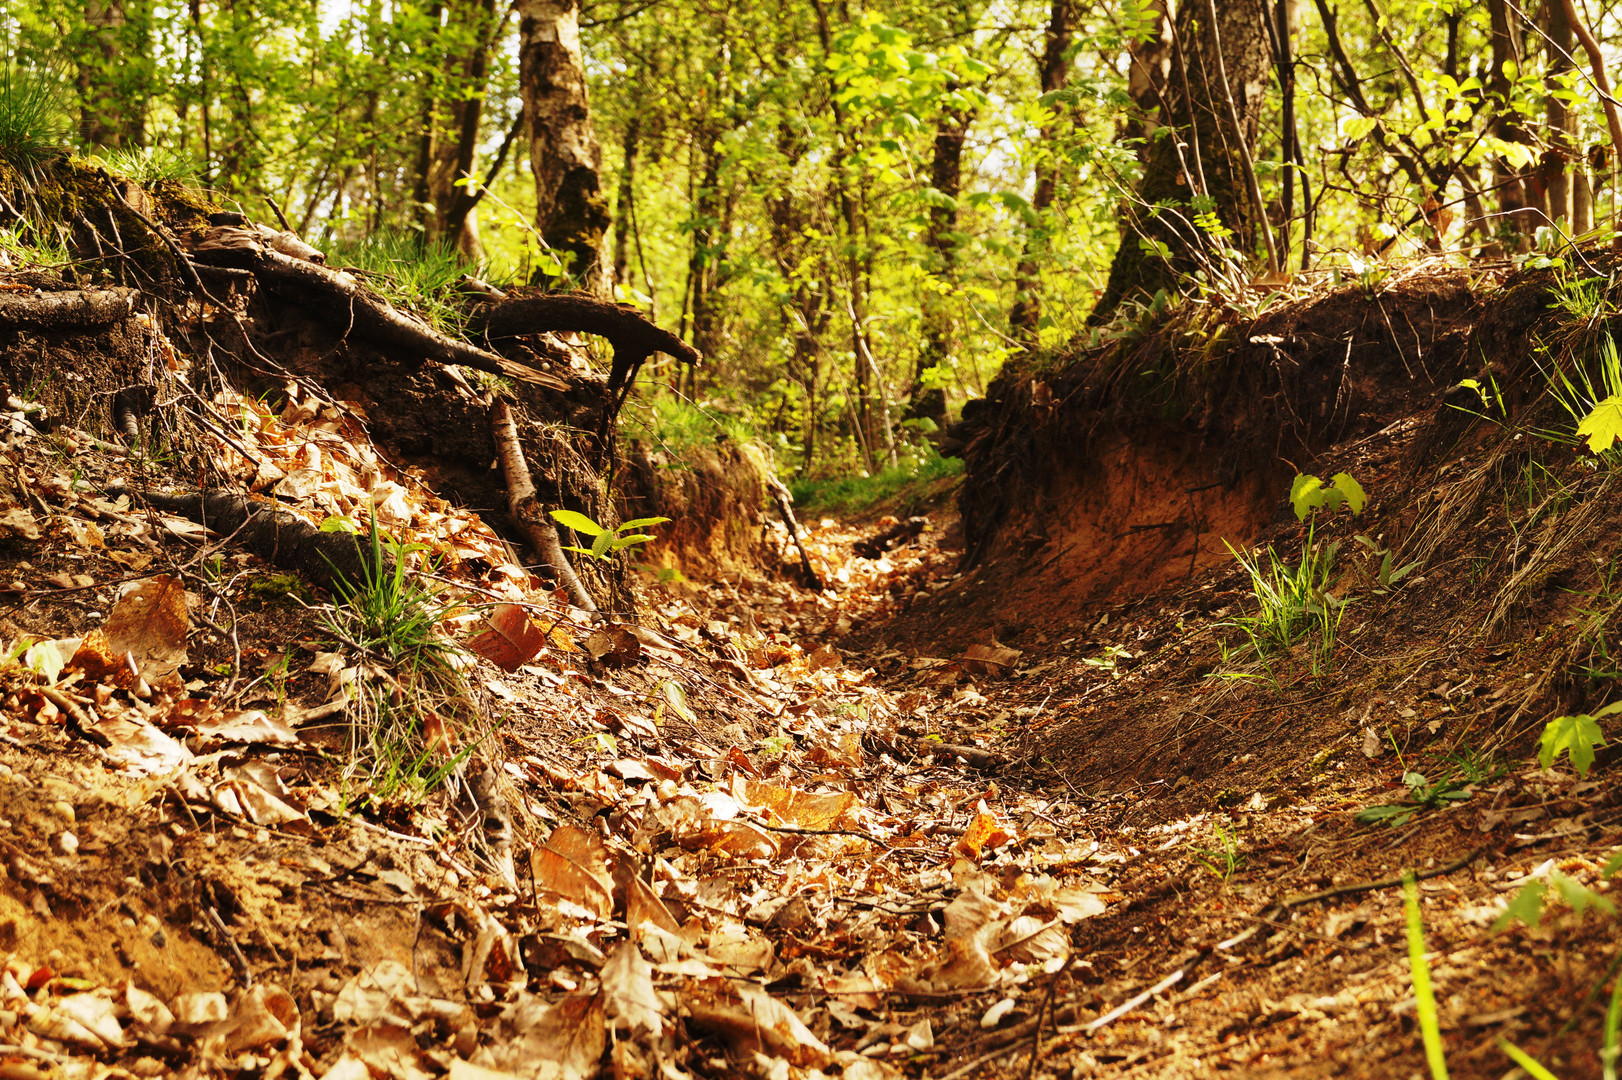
571,212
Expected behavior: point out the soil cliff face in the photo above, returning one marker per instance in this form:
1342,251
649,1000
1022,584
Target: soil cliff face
1119,469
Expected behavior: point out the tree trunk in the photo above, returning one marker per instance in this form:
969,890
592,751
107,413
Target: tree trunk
1556,172
111,115
946,177
1202,155
564,156
1514,196
624,213
1026,314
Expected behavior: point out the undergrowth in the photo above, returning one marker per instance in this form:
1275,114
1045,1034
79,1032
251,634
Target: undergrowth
850,494
408,689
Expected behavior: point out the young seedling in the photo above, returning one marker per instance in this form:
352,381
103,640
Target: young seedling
605,542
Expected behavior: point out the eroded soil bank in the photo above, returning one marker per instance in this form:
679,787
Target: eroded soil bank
730,836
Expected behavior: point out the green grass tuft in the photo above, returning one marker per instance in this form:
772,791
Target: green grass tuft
33,114
409,274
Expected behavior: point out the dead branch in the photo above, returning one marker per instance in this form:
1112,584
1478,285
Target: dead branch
339,299
76,309
784,501
872,547
526,510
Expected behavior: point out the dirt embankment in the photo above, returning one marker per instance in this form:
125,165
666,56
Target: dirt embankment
1119,470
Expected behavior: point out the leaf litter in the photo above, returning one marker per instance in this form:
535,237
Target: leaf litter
718,843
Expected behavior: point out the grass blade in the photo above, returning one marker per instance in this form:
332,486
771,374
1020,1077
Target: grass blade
1533,1067
1425,1000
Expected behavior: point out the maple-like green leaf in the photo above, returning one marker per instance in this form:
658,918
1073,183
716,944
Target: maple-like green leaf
1603,426
1576,735
1527,906
1351,491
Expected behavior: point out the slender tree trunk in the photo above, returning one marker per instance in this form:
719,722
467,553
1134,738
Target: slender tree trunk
564,156
946,177
111,110
1207,145
624,212
1514,198
1555,172
1026,314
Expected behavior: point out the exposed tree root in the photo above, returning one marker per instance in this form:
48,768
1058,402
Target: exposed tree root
339,299
526,510
275,534
784,500
75,309
633,337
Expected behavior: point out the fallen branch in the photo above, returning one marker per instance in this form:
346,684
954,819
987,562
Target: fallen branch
526,510
784,500
974,757
872,547
339,299
76,309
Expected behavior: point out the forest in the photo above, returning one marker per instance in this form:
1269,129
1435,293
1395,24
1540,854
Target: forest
855,213
676,539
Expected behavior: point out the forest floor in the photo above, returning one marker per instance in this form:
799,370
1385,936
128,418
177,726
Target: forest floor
735,838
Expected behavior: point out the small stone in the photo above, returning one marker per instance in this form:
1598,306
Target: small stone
64,810
65,843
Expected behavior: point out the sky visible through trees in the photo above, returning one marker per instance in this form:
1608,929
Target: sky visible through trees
855,211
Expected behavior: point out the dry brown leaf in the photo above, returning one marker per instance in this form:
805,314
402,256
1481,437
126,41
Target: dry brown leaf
573,864
149,623
801,808
629,1000
511,640
755,1021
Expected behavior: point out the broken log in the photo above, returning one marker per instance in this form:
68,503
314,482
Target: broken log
526,510
74,309
632,336
338,298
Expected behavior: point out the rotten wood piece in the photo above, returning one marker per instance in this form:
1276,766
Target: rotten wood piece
74,309
633,337
339,299
872,547
784,500
526,510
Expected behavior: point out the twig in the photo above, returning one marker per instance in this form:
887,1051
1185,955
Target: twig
242,961
869,837
1132,1003
1036,1036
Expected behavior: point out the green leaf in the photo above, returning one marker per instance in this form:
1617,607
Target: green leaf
1613,864
339,523
580,523
1580,896
1351,490
1576,735
1603,426
1430,1028
1306,495
622,542
579,550
642,523
1387,814
600,544
1527,906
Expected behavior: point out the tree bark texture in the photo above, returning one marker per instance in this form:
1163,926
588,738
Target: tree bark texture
946,177
572,213
1026,314
1196,151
